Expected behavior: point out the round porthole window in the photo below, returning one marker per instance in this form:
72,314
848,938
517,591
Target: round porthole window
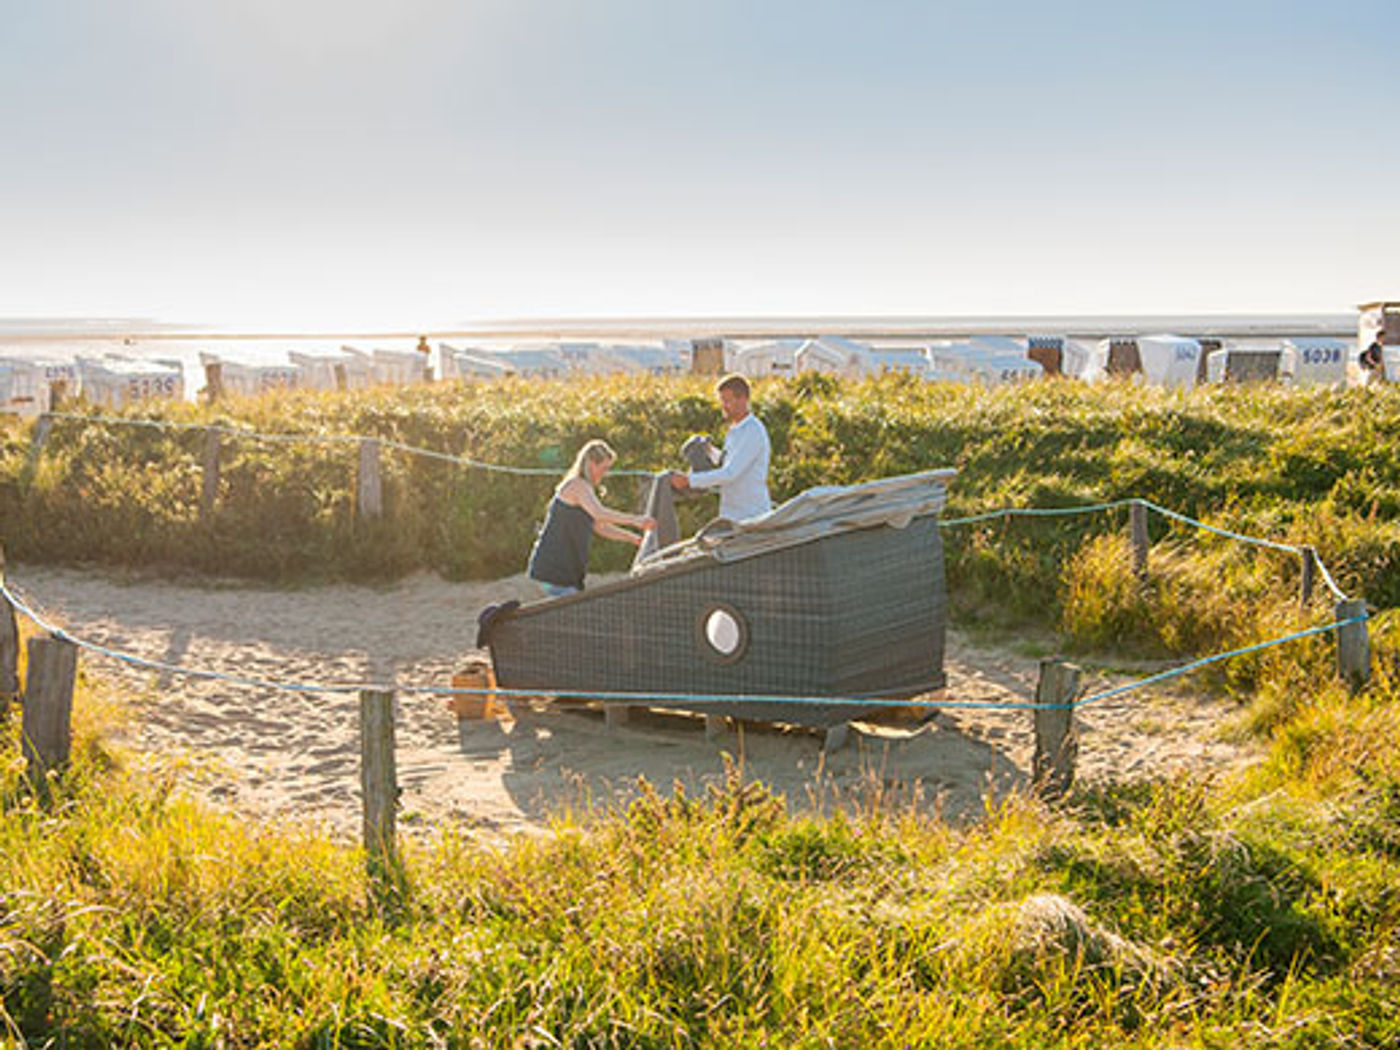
723,633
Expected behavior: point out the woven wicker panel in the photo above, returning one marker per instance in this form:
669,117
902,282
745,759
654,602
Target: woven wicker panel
858,613
1251,366
891,612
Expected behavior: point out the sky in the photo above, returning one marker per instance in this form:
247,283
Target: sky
407,164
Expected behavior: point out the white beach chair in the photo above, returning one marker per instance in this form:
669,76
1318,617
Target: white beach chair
1169,360
115,382
1314,362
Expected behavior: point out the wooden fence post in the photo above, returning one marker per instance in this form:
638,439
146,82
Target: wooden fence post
369,490
1353,645
42,429
9,649
48,705
616,715
1138,524
342,379
1307,577
715,726
379,784
214,382
707,356
209,492
835,737
1056,742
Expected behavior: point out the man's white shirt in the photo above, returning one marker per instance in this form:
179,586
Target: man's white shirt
742,478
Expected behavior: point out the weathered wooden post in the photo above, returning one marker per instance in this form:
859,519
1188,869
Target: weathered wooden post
342,378
1138,527
1056,742
42,429
835,737
1307,577
1353,645
707,356
58,394
9,649
209,492
48,706
379,785
616,715
214,382
368,488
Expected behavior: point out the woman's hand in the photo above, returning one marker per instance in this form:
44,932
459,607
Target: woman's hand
646,524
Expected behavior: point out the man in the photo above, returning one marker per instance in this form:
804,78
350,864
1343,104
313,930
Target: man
742,476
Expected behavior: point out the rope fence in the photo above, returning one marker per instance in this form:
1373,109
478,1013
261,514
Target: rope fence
52,660
369,485
871,699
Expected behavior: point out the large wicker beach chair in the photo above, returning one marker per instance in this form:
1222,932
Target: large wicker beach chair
837,593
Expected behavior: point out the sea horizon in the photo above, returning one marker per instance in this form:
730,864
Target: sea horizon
899,326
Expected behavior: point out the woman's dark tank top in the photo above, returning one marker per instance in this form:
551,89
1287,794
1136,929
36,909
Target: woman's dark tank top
560,555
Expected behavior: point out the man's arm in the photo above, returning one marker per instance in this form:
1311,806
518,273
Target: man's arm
741,451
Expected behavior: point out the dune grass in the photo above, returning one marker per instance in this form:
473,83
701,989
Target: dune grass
1258,910
1263,911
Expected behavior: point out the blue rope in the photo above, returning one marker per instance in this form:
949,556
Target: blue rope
1337,592
1205,661
1034,512
871,699
328,439
1093,508
1285,547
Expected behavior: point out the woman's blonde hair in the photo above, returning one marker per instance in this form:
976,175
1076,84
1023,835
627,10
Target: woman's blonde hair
595,451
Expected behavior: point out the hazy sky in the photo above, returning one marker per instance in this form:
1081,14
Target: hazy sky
415,163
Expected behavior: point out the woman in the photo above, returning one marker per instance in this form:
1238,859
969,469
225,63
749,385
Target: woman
560,555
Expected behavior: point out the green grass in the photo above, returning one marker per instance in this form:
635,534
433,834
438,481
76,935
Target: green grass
1260,910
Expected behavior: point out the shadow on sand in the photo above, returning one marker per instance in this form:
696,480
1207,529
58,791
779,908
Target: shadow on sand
565,760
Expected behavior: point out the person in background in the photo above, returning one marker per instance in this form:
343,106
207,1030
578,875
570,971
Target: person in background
1372,361
742,476
559,558
427,352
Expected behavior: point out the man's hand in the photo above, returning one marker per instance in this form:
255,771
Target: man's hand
679,481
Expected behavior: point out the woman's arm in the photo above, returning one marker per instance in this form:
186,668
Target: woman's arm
582,495
612,532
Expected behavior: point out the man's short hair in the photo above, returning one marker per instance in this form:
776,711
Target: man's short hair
735,383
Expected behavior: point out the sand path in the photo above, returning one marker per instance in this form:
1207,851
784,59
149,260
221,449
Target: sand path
285,755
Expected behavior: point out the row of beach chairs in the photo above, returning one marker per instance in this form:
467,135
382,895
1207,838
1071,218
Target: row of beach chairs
30,386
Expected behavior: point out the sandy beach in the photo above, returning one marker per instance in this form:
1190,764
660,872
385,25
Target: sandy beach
291,756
